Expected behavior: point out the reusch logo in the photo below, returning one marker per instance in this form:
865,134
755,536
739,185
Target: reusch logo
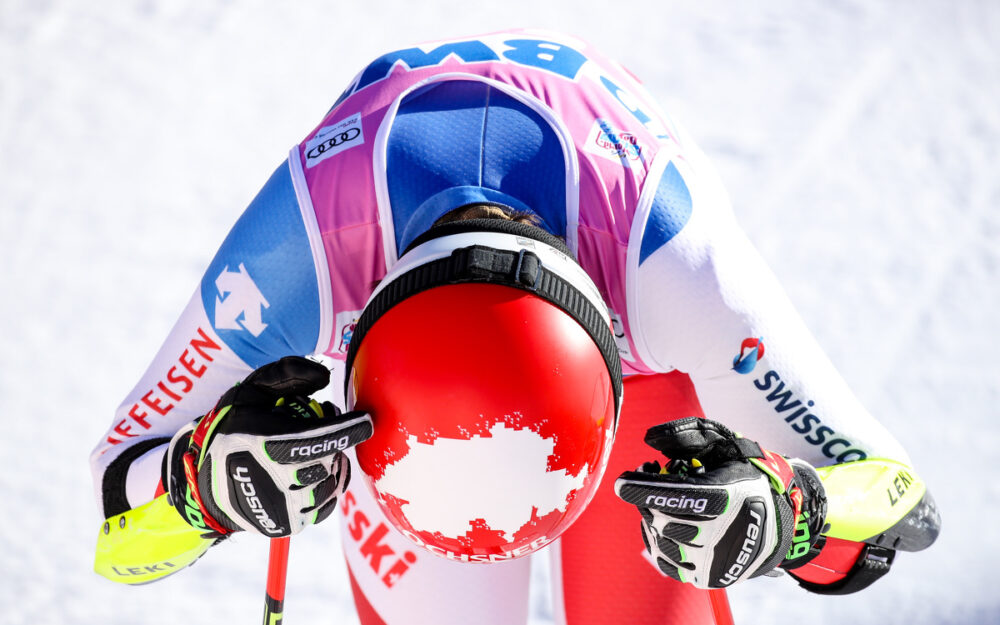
242,475
751,351
747,552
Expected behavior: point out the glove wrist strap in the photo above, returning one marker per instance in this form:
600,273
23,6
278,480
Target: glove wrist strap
191,477
192,459
871,564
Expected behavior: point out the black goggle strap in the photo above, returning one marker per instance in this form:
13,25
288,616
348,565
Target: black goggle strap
486,265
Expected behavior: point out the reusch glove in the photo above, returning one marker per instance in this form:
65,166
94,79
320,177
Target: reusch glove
266,459
723,509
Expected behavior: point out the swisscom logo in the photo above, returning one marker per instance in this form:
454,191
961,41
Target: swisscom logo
751,351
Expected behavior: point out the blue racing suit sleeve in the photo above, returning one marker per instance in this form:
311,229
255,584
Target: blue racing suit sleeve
259,300
260,292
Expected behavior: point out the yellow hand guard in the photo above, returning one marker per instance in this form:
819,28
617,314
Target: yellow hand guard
147,543
880,502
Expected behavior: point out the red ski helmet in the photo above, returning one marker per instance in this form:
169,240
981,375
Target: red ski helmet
486,360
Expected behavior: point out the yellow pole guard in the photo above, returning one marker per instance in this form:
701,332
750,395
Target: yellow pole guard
868,497
146,544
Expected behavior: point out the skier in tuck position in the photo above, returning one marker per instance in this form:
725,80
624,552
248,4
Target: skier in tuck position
540,310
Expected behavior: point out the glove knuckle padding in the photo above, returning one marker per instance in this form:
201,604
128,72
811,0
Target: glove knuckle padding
680,532
317,443
311,474
292,375
784,530
685,437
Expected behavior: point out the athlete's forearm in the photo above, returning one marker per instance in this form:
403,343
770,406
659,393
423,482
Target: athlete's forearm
185,379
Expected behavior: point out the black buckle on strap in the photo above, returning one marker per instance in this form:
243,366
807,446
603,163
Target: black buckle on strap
872,564
478,263
528,270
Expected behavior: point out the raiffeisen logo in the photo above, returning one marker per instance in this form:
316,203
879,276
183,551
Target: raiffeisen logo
751,351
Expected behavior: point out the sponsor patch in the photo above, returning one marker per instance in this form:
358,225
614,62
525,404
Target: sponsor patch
334,139
163,396
751,351
621,341
376,545
344,325
606,141
797,413
239,304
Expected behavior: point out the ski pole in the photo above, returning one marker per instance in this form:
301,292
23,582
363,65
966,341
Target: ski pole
277,567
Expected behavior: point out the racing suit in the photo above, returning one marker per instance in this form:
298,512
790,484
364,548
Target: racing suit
542,123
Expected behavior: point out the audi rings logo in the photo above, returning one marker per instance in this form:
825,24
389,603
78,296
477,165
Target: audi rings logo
337,140
334,139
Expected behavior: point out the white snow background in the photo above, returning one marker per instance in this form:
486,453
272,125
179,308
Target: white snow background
859,141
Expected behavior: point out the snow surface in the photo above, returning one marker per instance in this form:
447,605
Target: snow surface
859,142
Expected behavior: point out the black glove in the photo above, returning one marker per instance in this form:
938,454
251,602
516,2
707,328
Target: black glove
723,510
266,458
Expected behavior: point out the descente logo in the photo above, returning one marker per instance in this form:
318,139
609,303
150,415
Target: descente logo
242,475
